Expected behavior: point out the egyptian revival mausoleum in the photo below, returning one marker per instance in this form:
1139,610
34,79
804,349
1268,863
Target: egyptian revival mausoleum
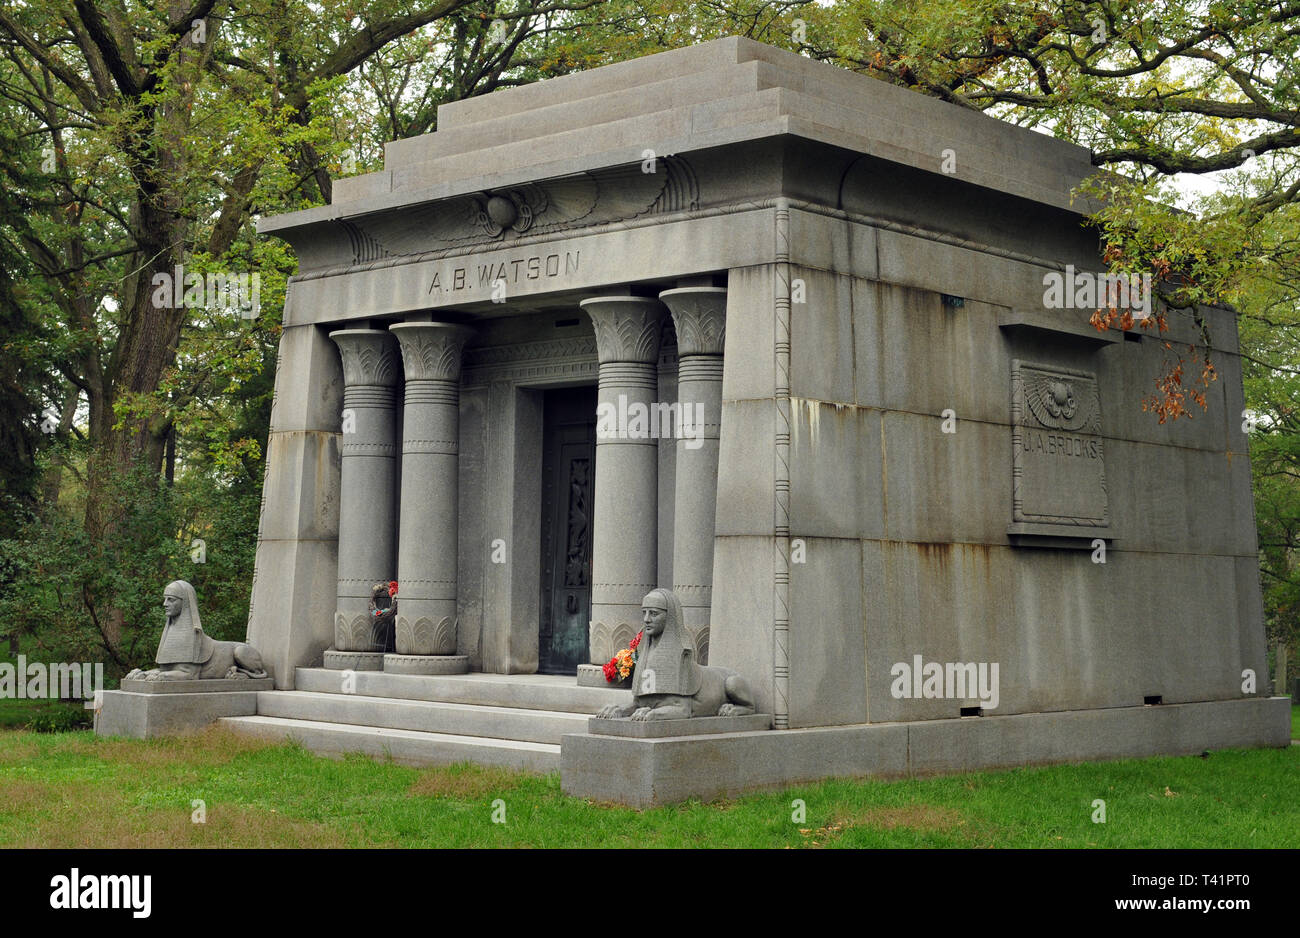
774,337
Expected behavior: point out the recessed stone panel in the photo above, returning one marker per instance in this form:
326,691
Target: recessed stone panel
1058,466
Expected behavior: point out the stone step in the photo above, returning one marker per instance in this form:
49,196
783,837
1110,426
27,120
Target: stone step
666,130
409,747
522,691
590,113
632,73
425,716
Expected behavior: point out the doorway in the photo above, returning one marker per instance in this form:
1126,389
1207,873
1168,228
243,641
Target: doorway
568,485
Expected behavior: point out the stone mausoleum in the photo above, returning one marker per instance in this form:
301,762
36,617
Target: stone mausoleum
774,336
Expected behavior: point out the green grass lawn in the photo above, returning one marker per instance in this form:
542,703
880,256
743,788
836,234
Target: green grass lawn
77,790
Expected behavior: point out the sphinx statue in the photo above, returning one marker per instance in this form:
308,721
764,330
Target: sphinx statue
667,683
187,653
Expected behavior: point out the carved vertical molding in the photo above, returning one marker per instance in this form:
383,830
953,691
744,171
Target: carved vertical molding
781,460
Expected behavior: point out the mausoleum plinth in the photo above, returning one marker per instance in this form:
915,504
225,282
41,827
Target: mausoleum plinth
674,761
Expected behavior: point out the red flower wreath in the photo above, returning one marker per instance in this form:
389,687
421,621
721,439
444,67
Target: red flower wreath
611,667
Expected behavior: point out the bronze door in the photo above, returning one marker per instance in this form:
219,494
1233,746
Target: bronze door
568,482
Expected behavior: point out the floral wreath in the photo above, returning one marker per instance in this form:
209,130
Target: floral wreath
392,594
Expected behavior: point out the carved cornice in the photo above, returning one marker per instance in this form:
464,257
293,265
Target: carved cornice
700,318
579,346
580,200
627,328
431,351
370,357
546,360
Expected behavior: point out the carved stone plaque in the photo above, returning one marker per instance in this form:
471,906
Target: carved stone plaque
1058,466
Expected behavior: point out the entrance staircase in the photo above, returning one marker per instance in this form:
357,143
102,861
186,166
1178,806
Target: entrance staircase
510,720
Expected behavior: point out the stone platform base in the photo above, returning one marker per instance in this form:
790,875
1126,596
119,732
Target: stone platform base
162,708
592,675
199,687
658,729
653,771
426,664
354,660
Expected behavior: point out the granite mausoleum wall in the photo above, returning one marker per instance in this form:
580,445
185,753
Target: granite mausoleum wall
906,549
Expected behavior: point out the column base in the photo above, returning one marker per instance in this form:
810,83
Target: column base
426,664
337,660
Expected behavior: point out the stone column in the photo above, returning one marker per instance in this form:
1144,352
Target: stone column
699,316
426,553
367,490
624,540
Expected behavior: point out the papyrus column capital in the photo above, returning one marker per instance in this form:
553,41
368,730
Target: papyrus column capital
627,328
700,318
431,351
370,357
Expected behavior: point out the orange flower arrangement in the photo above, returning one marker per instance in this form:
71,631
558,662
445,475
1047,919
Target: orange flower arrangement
619,668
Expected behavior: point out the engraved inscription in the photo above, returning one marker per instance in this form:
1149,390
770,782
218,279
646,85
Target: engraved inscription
464,278
1058,466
